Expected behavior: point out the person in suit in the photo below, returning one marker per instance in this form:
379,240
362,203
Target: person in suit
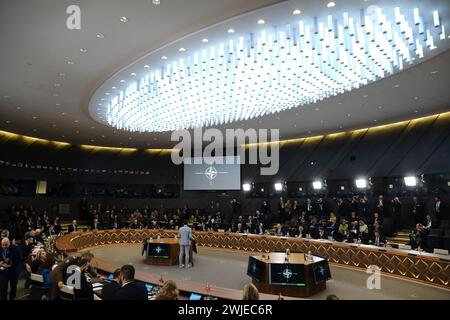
260,228
110,289
380,205
377,239
396,212
57,226
130,290
185,238
279,230
135,224
417,236
308,208
95,225
321,235
73,227
10,269
428,224
417,211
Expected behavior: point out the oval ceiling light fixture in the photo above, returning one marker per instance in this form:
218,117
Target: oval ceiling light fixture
123,19
205,40
100,35
230,81
156,2
331,4
261,21
296,12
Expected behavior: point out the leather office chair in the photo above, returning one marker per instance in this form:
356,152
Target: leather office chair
37,290
67,293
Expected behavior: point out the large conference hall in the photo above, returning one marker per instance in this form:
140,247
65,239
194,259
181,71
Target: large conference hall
224,150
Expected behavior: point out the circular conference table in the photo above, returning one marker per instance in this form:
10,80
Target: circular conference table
425,268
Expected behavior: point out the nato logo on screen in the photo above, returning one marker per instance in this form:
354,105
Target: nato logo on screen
212,173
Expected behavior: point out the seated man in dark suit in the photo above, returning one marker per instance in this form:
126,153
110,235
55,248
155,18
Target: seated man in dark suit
109,290
73,227
377,239
95,225
131,289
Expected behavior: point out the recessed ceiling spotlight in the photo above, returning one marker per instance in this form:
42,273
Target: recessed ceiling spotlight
18,108
34,118
62,74
6,97
365,96
70,62
296,12
434,72
416,111
317,109
331,4
122,81
182,49
56,95
77,132
63,113
164,58
261,21
7,121
63,136
83,50
100,35
396,86
58,104
102,99
57,85
375,120
156,2
76,121
123,19
349,115
114,88
380,107
92,140
92,127
146,66
205,40
230,30
339,103
133,74
35,130
416,98
99,104
54,125
107,93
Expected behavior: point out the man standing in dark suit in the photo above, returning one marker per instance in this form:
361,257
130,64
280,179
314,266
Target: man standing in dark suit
109,290
417,212
10,269
131,290
73,227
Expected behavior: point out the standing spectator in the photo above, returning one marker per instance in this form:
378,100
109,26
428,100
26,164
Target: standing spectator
10,269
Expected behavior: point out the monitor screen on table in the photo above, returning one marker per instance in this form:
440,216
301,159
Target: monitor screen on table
321,271
286,274
255,268
158,250
195,296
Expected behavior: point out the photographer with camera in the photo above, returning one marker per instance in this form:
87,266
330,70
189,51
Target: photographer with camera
10,269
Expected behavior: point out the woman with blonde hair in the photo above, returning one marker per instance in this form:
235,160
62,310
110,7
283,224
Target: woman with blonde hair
169,291
250,292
